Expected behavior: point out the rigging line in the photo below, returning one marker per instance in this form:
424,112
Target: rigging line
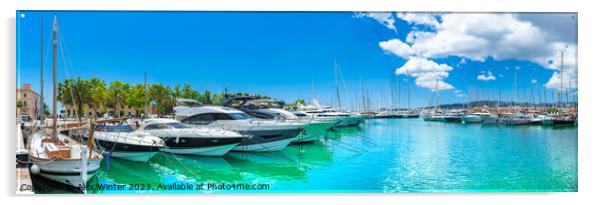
61,49
340,75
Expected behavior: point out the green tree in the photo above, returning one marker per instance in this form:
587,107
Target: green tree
295,105
206,98
189,93
117,93
20,104
46,111
76,93
99,95
217,99
135,98
161,96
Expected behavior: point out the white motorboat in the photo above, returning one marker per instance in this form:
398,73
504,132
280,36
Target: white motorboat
272,110
180,138
265,135
118,139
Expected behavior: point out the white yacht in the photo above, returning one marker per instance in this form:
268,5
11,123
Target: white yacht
265,135
480,117
321,111
180,138
272,110
120,140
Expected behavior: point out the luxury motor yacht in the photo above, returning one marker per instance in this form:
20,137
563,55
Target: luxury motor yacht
120,140
320,111
514,119
180,138
266,135
480,117
272,110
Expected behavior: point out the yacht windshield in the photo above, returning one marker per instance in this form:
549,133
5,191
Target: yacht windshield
114,128
240,116
175,125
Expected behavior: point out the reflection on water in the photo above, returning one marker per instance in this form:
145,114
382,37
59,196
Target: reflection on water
383,155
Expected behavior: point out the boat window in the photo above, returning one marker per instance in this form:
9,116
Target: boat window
239,116
300,114
155,127
262,115
222,116
114,128
201,119
175,125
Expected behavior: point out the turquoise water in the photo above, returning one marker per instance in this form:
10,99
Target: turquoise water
383,155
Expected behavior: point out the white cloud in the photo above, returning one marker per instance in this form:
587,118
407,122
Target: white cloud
397,47
486,77
459,93
428,74
533,81
428,19
566,82
529,37
384,18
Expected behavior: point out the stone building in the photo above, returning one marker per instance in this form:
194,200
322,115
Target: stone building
29,101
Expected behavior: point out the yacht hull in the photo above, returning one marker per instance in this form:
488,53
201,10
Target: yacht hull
270,146
471,119
314,130
349,121
211,151
201,146
66,171
134,156
267,140
127,151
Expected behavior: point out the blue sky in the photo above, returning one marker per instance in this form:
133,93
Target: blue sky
281,54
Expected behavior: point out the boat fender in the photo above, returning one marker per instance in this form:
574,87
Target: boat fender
35,169
177,140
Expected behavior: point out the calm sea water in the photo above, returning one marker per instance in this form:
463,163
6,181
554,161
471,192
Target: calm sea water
383,155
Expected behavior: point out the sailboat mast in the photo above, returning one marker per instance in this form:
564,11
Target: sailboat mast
409,107
43,114
146,99
54,44
560,104
336,81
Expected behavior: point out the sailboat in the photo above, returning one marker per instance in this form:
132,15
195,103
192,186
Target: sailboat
435,115
559,118
56,156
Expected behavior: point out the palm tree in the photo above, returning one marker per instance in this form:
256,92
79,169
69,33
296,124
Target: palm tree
20,104
99,95
64,93
135,97
117,93
177,93
188,92
160,96
75,92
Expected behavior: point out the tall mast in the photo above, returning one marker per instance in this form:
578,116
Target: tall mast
146,98
43,114
409,107
437,97
336,82
54,43
561,79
